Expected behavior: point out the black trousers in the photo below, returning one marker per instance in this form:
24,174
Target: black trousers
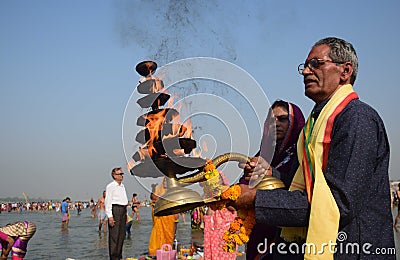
116,234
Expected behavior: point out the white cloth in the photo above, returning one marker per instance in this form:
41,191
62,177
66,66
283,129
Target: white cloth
115,194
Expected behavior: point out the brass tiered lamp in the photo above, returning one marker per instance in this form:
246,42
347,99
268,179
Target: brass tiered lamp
157,157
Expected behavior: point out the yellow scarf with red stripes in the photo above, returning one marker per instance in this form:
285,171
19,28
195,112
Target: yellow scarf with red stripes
312,150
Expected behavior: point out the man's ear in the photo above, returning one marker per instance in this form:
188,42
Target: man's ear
346,73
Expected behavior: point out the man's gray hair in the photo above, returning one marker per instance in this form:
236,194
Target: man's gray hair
341,51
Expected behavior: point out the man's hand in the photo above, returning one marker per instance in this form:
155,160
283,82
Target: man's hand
111,222
246,199
256,168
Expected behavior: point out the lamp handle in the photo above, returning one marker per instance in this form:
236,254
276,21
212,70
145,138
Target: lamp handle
217,161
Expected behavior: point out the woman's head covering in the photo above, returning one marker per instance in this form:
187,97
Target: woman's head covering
282,158
278,157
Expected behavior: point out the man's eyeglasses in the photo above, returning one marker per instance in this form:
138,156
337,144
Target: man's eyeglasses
119,173
314,63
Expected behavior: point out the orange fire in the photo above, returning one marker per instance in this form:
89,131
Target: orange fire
154,127
188,124
143,153
157,125
157,86
149,65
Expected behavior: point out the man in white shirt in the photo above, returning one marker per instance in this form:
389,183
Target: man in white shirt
115,203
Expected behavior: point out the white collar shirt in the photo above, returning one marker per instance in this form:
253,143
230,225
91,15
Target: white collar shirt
115,194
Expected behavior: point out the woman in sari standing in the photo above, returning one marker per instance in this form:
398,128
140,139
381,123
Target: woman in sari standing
287,120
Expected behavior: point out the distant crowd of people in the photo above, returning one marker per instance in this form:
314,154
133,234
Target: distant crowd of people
48,206
41,206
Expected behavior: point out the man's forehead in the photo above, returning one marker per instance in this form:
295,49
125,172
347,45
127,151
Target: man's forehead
319,51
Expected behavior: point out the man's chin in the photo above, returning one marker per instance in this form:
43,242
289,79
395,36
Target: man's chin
311,95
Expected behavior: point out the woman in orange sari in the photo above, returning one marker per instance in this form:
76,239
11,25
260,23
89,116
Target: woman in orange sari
164,227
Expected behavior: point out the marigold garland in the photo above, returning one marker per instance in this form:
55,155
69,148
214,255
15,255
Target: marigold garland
211,187
240,229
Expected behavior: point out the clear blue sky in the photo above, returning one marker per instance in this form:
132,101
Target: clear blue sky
67,72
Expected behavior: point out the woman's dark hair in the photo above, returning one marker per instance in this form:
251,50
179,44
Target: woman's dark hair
280,103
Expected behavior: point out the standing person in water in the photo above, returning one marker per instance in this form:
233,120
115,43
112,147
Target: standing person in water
116,202
102,213
135,206
65,213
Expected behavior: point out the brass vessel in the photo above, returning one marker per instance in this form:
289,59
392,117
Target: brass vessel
179,199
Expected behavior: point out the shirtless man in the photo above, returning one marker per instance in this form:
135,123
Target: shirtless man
93,208
102,212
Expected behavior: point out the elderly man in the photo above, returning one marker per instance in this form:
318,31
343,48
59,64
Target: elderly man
338,204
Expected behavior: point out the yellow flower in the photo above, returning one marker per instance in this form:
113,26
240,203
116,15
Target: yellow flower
239,230
237,239
209,167
235,192
234,227
242,229
225,195
225,236
231,247
239,221
248,232
213,180
244,237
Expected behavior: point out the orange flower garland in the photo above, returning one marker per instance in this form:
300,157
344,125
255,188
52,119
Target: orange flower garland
240,229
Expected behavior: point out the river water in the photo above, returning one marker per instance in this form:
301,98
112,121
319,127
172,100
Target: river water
83,241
